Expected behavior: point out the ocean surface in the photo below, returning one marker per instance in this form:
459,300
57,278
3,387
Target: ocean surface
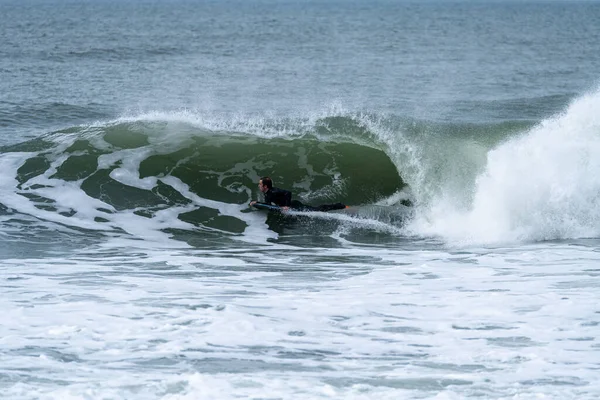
464,134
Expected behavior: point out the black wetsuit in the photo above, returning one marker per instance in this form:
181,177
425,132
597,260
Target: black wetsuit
283,198
279,197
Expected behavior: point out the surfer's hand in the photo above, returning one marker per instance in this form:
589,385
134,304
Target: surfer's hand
253,202
285,208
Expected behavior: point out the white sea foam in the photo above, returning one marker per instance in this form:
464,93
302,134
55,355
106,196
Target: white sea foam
541,185
185,324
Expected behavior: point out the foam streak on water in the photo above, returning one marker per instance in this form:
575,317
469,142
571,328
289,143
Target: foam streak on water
333,323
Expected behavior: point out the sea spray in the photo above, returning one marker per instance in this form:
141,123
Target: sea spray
541,185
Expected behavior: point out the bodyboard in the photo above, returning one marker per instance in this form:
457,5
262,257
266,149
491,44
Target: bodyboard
265,206
270,207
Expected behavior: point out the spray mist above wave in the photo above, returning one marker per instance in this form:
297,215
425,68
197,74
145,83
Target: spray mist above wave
541,185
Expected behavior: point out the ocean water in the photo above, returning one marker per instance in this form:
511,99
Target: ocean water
465,135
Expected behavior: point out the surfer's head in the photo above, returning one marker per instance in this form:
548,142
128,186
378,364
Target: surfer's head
265,184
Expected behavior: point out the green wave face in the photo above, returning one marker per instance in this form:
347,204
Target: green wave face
145,169
228,169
